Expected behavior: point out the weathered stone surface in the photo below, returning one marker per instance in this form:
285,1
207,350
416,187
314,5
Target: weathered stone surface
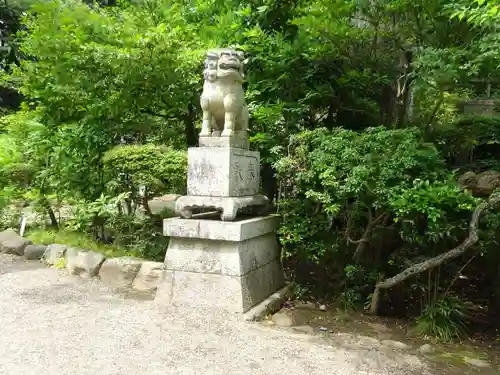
305,305
158,204
231,265
211,291
149,277
426,349
304,329
229,207
283,319
120,272
83,262
468,180
394,344
269,305
12,243
34,252
238,140
482,184
53,253
476,362
223,172
221,257
482,107
220,230
223,75
487,182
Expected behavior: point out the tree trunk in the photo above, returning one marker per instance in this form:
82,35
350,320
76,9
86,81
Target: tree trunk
189,127
46,205
145,205
438,260
365,238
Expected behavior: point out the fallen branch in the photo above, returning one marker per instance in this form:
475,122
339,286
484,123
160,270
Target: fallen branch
438,260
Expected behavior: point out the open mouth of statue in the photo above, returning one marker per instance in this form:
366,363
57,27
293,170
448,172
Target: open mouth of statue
228,66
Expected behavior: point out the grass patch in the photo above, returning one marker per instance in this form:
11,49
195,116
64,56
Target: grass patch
75,239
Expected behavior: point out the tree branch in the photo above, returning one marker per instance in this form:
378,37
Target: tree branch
149,112
365,238
471,239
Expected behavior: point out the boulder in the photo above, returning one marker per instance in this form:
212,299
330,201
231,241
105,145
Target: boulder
305,305
426,349
476,362
120,272
83,262
304,329
53,253
283,319
395,344
486,183
482,184
149,277
468,181
12,243
158,204
34,252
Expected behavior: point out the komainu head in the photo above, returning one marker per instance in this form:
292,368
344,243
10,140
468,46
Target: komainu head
224,63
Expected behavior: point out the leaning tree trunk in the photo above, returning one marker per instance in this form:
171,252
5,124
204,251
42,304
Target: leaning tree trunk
438,260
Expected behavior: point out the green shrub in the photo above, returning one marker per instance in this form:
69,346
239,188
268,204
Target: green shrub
136,233
158,169
360,206
470,142
141,235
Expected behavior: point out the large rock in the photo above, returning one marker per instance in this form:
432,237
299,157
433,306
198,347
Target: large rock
426,349
149,277
482,184
282,319
83,262
158,204
12,243
395,344
487,182
34,252
53,253
468,180
120,272
476,362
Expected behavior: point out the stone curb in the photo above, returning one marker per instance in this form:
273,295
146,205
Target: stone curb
269,306
121,273
126,273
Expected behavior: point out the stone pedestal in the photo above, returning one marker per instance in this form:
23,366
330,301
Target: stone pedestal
223,172
234,264
239,140
225,179
223,265
228,207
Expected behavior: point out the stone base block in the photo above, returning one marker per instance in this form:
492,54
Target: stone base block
231,266
236,294
229,207
239,140
223,172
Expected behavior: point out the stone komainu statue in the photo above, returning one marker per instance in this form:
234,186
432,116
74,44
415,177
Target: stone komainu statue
223,100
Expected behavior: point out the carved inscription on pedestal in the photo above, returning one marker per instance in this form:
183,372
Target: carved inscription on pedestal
223,172
245,174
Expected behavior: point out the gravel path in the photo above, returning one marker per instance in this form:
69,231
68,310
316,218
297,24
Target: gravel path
56,324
